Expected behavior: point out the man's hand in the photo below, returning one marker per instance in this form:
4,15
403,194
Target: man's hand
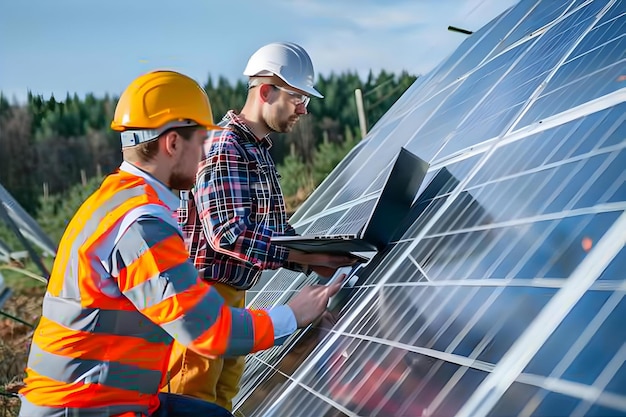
312,301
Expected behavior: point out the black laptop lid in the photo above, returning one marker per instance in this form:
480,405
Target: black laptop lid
396,198
392,206
332,244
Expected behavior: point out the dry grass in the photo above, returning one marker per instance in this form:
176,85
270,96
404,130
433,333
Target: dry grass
14,342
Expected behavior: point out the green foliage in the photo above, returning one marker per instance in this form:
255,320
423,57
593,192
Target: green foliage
54,213
56,210
53,217
301,178
51,144
8,237
18,159
328,154
72,117
225,97
381,92
294,175
4,104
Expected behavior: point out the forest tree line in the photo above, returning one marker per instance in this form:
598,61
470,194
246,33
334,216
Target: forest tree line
49,147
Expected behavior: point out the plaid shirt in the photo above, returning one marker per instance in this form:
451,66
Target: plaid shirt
235,207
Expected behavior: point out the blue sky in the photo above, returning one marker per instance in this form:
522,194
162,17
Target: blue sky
99,46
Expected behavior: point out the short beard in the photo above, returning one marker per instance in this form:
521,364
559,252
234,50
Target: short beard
275,126
180,181
282,128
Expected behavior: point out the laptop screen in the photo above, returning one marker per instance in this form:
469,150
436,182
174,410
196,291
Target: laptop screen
396,198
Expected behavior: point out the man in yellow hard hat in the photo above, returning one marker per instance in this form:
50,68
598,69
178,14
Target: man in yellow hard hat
237,205
122,287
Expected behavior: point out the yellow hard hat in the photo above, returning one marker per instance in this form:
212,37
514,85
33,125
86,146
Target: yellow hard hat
162,98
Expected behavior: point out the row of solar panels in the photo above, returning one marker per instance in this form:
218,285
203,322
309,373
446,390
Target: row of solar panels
503,293
17,220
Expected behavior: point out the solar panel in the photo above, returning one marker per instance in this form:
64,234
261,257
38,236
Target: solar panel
503,293
26,224
5,292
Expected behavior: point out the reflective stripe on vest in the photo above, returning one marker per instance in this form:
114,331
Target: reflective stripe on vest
116,287
74,366
31,410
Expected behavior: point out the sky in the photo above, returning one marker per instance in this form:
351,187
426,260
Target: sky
99,46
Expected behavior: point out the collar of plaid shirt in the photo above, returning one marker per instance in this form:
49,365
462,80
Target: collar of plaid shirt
226,268
232,118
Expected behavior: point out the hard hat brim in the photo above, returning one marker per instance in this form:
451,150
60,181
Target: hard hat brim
312,92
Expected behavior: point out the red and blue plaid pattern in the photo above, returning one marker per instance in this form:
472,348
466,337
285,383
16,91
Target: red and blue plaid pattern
229,217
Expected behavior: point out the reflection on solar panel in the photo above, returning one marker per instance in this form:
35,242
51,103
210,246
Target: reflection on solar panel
504,293
11,213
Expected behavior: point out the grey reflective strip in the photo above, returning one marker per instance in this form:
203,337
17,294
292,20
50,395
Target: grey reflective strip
144,212
31,410
70,283
142,235
198,320
135,137
169,283
242,333
108,373
70,314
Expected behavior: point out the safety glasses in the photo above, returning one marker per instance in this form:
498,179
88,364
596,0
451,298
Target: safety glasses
298,97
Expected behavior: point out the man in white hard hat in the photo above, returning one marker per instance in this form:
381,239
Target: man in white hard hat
122,287
237,205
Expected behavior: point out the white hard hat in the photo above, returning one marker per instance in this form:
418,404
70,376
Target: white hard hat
286,60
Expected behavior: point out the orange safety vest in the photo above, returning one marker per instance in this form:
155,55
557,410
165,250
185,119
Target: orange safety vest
96,349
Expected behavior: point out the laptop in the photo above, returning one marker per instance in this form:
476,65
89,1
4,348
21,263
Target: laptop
392,206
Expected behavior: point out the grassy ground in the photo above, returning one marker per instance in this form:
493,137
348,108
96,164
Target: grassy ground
24,305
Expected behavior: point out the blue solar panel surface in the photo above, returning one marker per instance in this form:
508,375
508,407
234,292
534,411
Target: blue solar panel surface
504,292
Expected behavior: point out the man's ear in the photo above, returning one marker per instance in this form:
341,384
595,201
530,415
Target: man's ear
171,142
265,91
